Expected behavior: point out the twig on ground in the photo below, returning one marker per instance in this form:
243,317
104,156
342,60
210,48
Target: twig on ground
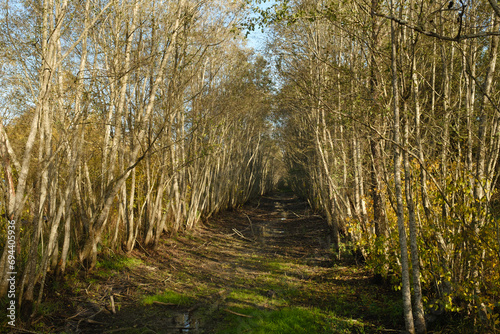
239,314
76,315
90,321
162,303
241,235
145,251
251,226
112,299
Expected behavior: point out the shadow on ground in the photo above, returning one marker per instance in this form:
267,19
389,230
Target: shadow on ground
264,268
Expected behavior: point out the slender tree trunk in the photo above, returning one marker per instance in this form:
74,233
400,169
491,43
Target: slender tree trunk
405,273
483,185
418,307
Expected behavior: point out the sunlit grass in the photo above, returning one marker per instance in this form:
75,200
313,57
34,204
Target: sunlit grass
118,263
278,266
287,320
248,296
256,298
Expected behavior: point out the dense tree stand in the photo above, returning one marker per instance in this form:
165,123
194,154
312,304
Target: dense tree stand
126,125
244,270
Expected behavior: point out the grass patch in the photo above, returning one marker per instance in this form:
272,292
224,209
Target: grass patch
169,297
248,296
255,298
287,320
118,262
278,266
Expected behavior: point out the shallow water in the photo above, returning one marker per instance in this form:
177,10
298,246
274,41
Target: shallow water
185,322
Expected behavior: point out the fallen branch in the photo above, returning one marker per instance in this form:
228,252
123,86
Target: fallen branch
250,221
76,315
112,299
239,314
90,321
241,235
162,303
145,251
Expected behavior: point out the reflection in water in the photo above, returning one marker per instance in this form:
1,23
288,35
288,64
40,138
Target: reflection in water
185,323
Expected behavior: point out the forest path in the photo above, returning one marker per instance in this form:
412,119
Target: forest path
264,268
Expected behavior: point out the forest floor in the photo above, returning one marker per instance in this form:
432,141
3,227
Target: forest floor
266,267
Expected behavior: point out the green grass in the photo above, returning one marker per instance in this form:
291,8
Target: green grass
278,266
287,320
263,313
118,262
245,297
169,297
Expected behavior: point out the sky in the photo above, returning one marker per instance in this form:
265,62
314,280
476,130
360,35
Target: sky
257,39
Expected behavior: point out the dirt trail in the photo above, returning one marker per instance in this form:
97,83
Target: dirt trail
266,263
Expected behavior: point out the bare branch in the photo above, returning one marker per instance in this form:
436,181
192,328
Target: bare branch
495,7
421,30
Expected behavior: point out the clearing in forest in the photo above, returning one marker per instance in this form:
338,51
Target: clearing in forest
264,268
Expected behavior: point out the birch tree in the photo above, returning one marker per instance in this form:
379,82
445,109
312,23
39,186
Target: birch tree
130,128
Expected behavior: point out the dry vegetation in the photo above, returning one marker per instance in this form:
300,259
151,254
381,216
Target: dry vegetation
224,278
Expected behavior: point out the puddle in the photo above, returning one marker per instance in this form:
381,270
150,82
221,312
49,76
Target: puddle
184,323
